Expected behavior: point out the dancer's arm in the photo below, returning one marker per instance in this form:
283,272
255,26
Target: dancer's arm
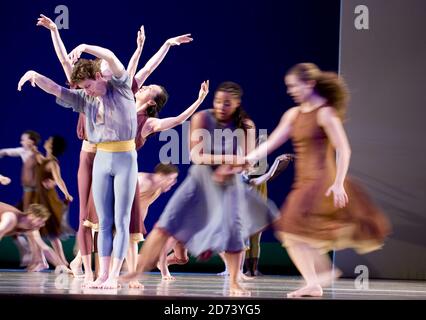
74,99
56,173
157,58
11,152
5,180
157,125
8,221
280,135
328,119
134,61
115,65
41,81
264,178
198,134
60,50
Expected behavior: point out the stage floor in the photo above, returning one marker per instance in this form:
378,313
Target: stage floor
187,286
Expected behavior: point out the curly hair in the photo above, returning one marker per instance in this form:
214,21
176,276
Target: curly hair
85,69
327,84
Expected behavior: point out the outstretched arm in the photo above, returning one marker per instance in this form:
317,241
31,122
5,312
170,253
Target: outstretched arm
116,66
56,173
60,50
168,123
134,61
11,152
7,223
277,137
157,58
264,178
41,81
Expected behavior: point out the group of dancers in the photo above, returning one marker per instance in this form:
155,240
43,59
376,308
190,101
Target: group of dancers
221,206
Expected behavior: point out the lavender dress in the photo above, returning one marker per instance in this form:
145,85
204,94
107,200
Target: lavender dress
210,217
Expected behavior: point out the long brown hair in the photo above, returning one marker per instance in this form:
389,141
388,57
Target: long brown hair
328,85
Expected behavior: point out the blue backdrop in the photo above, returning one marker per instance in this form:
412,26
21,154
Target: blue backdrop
249,42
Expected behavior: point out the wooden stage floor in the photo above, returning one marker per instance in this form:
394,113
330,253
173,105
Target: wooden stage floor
188,286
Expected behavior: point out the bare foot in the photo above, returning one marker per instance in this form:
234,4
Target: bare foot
134,284
76,268
98,283
243,277
88,278
237,291
26,260
165,273
110,283
37,267
326,278
131,276
62,269
307,291
223,273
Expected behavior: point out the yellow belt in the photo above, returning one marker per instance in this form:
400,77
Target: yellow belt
117,146
88,147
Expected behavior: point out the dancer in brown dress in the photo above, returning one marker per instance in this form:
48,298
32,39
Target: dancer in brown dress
48,169
312,222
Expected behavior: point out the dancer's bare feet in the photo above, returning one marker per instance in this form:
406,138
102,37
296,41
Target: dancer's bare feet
26,260
236,290
223,273
326,278
62,269
314,290
131,276
37,267
165,273
135,284
110,283
98,283
243,277
88,278
76,268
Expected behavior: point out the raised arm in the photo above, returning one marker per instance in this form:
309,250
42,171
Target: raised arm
56,173
168,123
115,65
157,58
328,119
8,221
41,81
134,61
280,135
59,46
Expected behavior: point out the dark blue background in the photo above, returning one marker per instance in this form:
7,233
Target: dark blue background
249,42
